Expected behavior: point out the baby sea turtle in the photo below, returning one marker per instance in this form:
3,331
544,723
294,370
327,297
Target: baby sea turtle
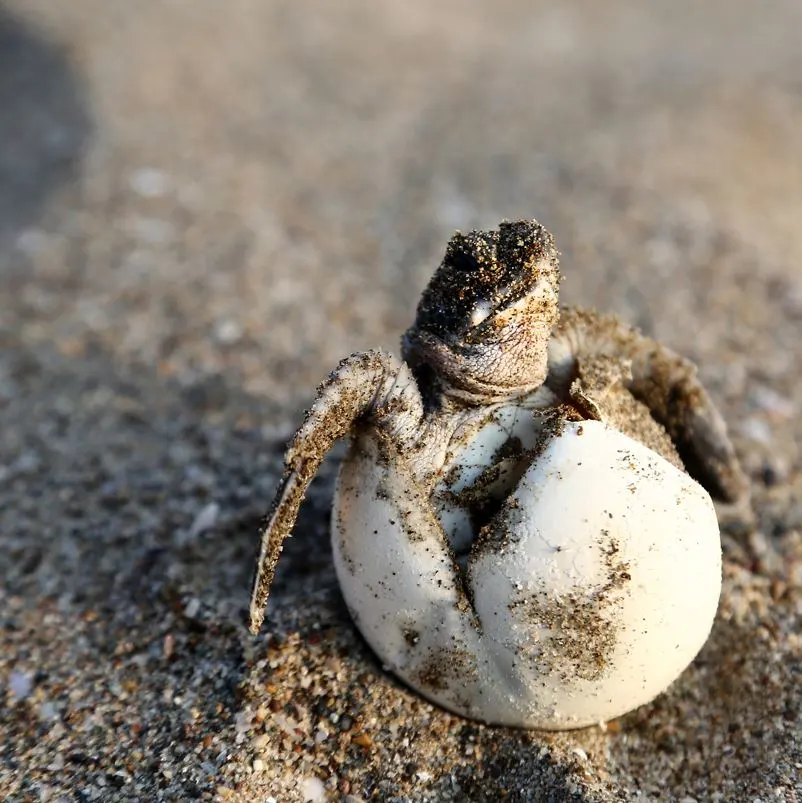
521,529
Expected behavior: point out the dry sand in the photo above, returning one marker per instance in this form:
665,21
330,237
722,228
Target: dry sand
203,206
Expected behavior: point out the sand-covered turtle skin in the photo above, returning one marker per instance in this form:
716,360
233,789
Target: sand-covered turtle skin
460,449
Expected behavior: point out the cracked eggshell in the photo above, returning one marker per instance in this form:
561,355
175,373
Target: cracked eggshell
396,571
592,591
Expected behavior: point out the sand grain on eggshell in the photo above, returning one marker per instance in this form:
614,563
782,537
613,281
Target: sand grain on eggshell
202,210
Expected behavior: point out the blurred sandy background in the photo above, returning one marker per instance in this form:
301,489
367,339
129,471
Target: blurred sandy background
203,206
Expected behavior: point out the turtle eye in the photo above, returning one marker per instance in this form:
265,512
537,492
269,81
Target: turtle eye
481,312
464,261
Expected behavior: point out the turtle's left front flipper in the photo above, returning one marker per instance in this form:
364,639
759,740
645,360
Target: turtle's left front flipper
667,384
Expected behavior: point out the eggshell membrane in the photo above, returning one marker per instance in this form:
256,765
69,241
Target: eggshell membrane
593,591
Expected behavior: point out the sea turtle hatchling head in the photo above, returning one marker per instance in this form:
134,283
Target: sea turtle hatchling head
484,322
523,527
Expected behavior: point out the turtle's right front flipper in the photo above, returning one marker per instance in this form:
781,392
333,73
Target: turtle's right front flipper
371,385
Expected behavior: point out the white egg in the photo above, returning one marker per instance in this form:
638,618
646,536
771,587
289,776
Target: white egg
589,591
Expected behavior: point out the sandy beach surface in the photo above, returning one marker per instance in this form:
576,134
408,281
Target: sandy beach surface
203,206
